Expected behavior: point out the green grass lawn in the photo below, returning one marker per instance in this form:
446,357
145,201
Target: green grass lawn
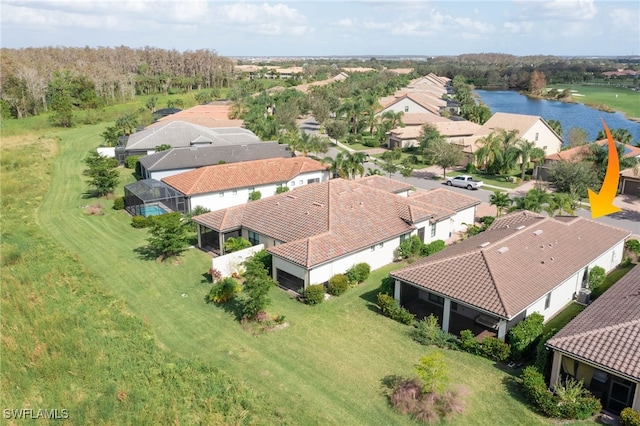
563,318
325,368
611,279
488,179
618,98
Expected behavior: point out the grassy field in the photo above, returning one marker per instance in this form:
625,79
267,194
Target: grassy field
618,98
137,334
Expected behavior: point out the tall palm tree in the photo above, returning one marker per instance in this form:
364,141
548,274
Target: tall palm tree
560,202
501,200
393,118
533,201
524,148
487,153
347,165
507,155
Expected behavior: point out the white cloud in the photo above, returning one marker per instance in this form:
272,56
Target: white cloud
518,27
345,23
268,19
559,10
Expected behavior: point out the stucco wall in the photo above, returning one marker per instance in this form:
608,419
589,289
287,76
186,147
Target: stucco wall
546,137
230,263
400,106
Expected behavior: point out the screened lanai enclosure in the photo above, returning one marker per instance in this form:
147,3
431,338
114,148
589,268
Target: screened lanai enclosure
150,197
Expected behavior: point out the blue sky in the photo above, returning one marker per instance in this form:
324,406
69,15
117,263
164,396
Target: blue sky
316,28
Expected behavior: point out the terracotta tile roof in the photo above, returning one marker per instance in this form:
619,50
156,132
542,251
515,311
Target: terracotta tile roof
427,96
211,116
420,118
506,121
518,266
400,71
457,128
419,98
385,184
308,86
445,199
630,173
580,152
241,175
320,222
607,332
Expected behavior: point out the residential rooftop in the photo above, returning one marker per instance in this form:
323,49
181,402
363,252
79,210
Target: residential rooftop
518,259
607,332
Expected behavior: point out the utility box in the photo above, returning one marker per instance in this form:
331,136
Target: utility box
584,295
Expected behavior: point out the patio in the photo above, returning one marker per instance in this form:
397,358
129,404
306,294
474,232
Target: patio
457,322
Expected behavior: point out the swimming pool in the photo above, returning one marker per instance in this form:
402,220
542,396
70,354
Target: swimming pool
153,210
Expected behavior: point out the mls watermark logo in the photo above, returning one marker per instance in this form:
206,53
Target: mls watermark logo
35,414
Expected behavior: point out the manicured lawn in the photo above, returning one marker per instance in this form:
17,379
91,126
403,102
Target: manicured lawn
626,100
563,318
488,179
611,279
325,368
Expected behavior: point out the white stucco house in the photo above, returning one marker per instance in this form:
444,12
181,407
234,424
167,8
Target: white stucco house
226,185
316,231
523,263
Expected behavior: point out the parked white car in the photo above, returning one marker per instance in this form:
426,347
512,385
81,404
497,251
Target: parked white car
464,181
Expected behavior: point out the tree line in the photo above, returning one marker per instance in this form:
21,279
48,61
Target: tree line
33,80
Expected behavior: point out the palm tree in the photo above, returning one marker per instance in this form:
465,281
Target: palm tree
524,148
372,172
507,156
560,202
393,118
533,201
501,200
347,165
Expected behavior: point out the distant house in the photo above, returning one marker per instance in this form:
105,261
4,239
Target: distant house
579,153
179,160
316,231
523,263
212,115
601,346
630,182
529,127
453,131
225,185
179,134
413,102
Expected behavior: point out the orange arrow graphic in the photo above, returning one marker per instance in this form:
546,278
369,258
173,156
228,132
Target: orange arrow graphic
602,203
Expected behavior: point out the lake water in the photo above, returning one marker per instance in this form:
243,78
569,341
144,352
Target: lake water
570,115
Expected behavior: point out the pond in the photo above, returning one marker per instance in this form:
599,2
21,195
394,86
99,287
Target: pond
568,114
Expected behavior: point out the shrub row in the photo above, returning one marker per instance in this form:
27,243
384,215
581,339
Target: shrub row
428,332
490,347
630,417
391,308
571,401
359,272
412,246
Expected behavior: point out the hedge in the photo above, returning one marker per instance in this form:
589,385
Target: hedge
630,417
391,308
523,335
338,284
359,272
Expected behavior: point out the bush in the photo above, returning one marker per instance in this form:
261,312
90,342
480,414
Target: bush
432,247
359,272
118,203
281,189
633,245
523,335
370,142
94,210
140,222
410,247
236,244
255,195
391,308
314,294
596,277
571,401
468,343
630,417
470,168
388,286
494,349
223,290
428,332
338,284
264,257
543,356
130,162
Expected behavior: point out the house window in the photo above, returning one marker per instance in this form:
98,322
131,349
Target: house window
314,180
436,299
293,183
380,245
235,192
373,248
254,238
537,134
222,194
547,301
544,147
405,236
300,182
406,108
433,229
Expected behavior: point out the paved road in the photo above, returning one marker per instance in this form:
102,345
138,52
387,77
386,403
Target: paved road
627,219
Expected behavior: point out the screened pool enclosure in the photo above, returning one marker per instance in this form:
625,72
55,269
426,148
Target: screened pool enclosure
150,197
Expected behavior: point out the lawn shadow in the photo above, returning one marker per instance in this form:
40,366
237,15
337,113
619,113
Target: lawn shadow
206,278
146,253
232,307
371,297
514,388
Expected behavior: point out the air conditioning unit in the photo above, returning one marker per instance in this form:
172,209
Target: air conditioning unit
584,295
